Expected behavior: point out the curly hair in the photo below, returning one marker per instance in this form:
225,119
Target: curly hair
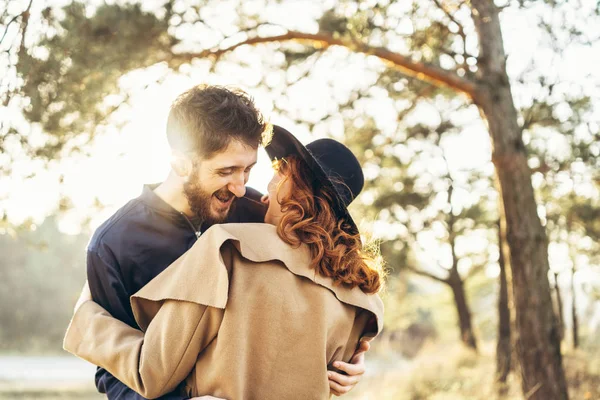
309,218
205,118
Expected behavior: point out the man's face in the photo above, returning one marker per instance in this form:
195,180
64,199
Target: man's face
215,182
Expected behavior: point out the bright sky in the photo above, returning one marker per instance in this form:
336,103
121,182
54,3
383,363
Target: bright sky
122,161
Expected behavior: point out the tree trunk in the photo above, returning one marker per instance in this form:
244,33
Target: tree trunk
456,283
574,309
462,308
503,348
538,342
573,256
559,308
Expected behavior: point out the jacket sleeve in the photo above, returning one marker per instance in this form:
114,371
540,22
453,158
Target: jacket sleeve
152,364
116,390
249,208
108,290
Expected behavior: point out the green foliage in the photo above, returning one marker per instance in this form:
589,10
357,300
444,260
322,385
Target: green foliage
296,56
408,193
41,274
432,41
330,22
78,62
588,215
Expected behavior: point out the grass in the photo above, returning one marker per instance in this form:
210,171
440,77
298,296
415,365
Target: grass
452,372
51,395
440,372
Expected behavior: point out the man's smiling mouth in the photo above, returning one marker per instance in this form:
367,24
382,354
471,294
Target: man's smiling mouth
224,198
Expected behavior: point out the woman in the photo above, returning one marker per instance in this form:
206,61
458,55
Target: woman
251,305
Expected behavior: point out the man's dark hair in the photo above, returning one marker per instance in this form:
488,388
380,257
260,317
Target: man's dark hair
205,119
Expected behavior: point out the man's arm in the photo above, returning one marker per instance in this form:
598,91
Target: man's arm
108,289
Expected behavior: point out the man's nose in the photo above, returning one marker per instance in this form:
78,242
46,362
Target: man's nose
238,186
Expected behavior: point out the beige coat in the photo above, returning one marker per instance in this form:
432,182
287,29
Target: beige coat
239,316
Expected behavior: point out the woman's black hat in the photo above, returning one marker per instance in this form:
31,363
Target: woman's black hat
332,163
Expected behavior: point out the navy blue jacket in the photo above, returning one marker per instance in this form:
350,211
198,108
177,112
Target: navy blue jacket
133,246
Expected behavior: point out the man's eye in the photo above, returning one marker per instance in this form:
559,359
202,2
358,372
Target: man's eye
224,173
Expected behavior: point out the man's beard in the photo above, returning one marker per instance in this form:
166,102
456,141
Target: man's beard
200,200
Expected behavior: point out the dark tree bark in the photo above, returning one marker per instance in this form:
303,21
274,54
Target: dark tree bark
454,280
575,321
503,347
538,339
559,308
456,283
462,308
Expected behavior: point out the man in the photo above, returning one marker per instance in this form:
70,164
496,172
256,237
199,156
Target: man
214,134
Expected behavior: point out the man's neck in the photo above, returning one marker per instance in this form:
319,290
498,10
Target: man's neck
171,192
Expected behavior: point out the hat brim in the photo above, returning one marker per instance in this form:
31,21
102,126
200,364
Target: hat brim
284,144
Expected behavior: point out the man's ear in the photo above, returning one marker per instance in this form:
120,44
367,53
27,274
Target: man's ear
181,164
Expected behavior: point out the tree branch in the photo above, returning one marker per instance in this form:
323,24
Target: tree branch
316,58
24,14
427,274
426,72
24,29
9,23
461,30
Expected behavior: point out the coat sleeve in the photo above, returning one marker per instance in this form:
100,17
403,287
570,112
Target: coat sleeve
152,364
117,390
108,290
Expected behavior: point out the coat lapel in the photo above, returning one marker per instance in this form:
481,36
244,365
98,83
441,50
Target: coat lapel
201,275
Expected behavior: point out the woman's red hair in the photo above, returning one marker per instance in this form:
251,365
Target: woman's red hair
308,217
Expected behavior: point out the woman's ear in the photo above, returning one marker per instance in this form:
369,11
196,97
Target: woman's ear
181,164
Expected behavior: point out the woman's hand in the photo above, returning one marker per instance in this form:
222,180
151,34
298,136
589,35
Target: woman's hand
85,295
340,384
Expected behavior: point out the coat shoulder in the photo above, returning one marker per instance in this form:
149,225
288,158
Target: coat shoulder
261,243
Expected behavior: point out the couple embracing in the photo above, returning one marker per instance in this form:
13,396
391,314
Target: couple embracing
201,287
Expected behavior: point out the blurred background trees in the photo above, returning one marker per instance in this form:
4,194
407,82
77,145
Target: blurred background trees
454,134
39,272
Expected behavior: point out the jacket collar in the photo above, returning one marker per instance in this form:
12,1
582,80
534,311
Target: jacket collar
152,200
255,242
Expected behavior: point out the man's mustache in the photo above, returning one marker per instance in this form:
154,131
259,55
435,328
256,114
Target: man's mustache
223,194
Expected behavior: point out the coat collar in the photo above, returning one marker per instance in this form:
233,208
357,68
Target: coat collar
254,242
151,199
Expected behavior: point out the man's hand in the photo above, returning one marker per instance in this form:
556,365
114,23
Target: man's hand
342,384
85,295
265,199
